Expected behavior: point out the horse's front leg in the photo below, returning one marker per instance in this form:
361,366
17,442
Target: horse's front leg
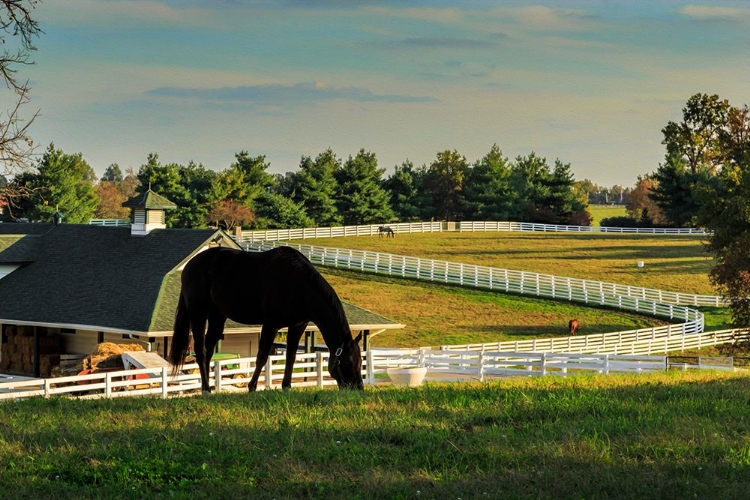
267,336
292,343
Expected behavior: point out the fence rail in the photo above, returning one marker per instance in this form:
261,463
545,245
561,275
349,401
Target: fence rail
109,222
336,232
641,300
311,370
461,226
478,226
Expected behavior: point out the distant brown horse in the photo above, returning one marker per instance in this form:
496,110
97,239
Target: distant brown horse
573,326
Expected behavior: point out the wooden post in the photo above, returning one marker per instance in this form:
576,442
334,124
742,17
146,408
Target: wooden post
269,374
164,382
217,375
370,368
319,368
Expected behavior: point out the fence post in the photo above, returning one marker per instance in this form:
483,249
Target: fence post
217,376
543,368
319,367
481,366
370,368
164,382
47,388
606,364
107,385
269,375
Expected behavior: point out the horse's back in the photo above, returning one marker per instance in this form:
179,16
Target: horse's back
251,287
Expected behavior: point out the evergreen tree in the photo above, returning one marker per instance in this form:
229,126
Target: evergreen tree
445,181
361,198
62,185
276,211
487,188
409,200
315,188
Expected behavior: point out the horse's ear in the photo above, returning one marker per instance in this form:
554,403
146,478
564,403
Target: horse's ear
358,338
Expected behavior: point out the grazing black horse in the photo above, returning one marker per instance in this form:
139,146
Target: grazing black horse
387,230
278,288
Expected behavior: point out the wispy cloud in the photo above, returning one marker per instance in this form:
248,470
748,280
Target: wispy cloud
710,12
275,94
444,42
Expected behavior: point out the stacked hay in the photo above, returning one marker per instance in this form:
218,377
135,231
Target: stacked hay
108,355
17,355
105,355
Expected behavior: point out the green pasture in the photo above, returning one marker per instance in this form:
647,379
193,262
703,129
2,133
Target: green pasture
599,212
437,314
674,435
677,263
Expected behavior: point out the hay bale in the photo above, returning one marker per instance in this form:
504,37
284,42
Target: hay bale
108,355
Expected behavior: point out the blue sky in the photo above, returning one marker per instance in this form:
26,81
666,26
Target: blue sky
591,82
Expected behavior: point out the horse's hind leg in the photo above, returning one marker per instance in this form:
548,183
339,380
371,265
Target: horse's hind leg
213,335
198,325
267,336
292,342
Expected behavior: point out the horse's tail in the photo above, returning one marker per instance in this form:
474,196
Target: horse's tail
181,337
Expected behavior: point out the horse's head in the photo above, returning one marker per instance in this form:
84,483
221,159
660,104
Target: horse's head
345,365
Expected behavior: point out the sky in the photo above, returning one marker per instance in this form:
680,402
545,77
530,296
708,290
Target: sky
591,83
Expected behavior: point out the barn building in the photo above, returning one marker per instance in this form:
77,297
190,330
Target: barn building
64,288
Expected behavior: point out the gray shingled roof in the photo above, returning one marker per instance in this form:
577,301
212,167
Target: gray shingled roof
104,278
92,275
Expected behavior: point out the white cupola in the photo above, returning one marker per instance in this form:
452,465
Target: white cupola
147,212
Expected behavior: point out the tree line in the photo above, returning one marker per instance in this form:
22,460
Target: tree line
323,191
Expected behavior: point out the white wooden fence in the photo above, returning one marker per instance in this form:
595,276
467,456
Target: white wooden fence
109,222
477,226
337,232
641,300
461,226
234,374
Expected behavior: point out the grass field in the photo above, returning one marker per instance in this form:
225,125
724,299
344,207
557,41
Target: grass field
676,263
676,435
599,212
437,314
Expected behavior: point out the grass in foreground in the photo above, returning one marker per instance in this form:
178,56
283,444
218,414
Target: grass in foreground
673,435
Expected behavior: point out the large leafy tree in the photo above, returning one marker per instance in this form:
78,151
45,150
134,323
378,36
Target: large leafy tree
361,197
696,150
725,210
63,184
444,181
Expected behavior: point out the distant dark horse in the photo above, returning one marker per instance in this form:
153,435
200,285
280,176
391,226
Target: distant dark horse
278,288
573,326
387,230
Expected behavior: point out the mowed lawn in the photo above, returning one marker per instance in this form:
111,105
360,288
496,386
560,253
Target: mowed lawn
436,314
